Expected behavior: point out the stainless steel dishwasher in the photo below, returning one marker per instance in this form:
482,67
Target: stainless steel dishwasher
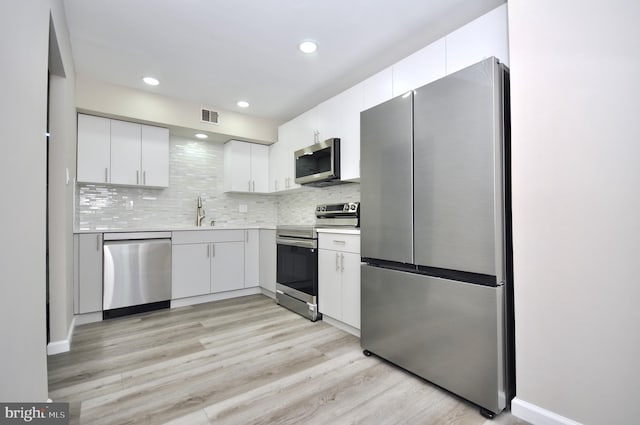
136,272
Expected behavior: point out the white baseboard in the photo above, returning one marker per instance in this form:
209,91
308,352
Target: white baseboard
341,325
183,302
57,347
537,415
83,319
268,293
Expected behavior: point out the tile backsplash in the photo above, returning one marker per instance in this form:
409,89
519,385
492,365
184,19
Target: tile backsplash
298,207
197,169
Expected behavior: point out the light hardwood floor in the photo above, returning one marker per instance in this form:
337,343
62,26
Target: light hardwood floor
239,361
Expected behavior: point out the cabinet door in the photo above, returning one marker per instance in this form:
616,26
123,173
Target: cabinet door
378,88
259,168
329,116
329,283
89,290
482,38
268,260
125,153
227,266
251,258
94,149
237,166
350,268
352,101
190,270
155,156
420,68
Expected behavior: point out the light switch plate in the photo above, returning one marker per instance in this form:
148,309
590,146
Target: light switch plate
243,208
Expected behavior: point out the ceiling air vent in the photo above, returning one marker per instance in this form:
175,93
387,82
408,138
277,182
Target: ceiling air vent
207,115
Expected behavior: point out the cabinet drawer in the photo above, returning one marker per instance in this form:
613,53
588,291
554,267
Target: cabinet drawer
206,236
339,242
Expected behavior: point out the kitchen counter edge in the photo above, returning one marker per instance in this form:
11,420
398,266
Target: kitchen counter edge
350,231
173,229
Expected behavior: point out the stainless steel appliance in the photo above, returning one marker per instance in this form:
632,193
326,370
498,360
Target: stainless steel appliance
437,290
297,270
297,258
318,164
137,272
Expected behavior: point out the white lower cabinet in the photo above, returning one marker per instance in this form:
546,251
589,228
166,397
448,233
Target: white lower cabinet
207,261
87,273
190,270
227,266
339,277
268,255
251,258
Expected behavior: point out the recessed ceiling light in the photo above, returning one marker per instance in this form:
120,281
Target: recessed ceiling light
308,46
243,104
201,135
151,81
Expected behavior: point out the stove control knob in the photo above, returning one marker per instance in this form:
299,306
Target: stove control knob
317,208
353,207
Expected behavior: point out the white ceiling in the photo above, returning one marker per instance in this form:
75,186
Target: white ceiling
216,52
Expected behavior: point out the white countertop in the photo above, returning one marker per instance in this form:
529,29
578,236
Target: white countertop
344,231
170,229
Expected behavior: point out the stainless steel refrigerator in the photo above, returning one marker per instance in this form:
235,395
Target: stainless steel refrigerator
437,296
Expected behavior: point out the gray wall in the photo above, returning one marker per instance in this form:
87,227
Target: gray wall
62,151
24,31
575,70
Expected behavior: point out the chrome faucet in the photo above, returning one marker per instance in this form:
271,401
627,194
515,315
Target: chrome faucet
199,212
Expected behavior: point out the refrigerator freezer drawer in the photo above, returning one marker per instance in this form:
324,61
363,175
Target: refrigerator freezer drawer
450,333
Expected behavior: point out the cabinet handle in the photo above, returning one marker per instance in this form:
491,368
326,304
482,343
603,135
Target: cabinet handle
339,242
341,262
144,177
98,242
137,176
213,250
208,250
106,175
337,262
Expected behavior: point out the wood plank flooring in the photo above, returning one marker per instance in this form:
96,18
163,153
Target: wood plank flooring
239,361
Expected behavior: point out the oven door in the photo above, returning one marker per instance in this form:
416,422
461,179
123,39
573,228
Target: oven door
297,268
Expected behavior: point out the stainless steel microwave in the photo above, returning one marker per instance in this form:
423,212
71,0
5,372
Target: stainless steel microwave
318,164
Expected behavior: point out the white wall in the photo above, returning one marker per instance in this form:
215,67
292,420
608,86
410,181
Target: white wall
62,151
24,32
123,102
575,73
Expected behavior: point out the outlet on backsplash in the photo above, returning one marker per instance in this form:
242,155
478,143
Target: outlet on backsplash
243,208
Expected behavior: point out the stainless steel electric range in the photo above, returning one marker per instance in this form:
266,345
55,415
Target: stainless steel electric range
297,257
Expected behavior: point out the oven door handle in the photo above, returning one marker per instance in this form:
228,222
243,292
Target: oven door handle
303,243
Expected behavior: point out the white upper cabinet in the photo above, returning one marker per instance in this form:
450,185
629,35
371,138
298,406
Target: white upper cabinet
155,156
329,119
125,153
246,167
120,152
351,106
482,38
377,88
94,147
422,67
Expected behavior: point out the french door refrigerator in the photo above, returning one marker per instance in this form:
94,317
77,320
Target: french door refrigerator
437,296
